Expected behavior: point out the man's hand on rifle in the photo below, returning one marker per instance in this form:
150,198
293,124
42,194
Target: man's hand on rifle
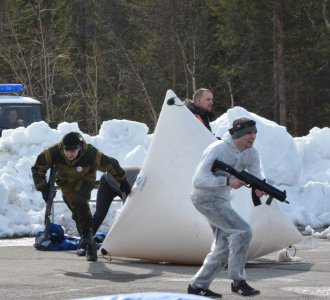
235,183
45,192
260,193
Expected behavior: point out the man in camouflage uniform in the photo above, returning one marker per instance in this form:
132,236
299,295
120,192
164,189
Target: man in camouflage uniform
76,163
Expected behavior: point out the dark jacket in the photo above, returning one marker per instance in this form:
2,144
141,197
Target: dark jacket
73,175
203,116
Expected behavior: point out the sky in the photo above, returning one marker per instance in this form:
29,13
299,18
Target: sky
298,165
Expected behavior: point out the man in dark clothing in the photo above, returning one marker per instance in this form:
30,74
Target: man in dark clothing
108,189
76,163
201,106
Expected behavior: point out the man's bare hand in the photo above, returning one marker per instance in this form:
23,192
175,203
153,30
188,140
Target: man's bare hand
235,183
260,193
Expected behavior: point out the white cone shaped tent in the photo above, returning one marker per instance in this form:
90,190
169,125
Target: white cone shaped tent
158,221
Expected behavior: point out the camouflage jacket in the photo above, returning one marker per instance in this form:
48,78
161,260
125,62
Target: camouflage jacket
71,175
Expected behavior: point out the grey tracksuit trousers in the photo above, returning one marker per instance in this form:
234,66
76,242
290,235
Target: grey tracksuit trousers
232,236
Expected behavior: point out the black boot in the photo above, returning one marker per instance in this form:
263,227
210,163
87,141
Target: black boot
81,250
86,238
91,252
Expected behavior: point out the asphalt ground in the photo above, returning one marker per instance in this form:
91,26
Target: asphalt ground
27,273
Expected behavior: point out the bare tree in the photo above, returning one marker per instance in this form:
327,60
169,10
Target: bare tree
38,63
12,59
90,95
232,101
139,79
279,85
324,14
48,59
190,68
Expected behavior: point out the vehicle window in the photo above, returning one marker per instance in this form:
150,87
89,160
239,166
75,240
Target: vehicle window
13,116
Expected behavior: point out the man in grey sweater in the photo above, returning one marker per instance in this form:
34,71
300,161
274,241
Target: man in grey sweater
211,196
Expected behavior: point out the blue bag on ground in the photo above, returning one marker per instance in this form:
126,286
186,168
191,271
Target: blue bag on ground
59,241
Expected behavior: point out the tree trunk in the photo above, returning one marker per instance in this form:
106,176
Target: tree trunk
173,44
279,84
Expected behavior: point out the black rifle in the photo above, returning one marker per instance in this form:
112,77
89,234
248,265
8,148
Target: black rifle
43,241
252,182
50,198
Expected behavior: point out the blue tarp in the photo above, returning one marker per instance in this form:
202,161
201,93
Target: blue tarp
60,241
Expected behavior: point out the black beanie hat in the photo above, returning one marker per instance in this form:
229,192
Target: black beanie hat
72,141
242,126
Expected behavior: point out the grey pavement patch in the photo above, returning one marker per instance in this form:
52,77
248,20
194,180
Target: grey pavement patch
305,290
29,241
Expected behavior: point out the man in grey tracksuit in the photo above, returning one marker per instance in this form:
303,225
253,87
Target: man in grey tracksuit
211,196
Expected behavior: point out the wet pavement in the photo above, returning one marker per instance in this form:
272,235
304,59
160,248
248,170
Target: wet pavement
30,274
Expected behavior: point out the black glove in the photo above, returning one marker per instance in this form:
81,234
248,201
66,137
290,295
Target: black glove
125,187
45,192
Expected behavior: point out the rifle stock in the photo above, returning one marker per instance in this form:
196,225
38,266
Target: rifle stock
253,182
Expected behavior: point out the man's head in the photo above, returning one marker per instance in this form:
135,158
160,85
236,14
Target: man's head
12,115
243,132
72,143
203,98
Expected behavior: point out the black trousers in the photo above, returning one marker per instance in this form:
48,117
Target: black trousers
104,199
108,189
